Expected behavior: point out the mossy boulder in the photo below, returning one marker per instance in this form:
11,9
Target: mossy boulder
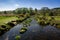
11,24
24,25
23,30
52,23
17,37
19,21
57,26
48,23
2,31
43,23
13,21
28,24
3,26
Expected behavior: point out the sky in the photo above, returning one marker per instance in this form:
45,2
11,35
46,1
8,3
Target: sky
13,4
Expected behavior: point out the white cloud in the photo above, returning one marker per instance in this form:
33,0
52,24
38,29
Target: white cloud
17,5
7,9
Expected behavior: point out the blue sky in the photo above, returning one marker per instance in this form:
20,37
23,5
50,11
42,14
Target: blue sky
13,4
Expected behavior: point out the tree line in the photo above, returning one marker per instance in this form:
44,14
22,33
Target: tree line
45,11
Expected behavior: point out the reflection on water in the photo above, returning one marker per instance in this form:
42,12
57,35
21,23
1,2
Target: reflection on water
34,32
6,38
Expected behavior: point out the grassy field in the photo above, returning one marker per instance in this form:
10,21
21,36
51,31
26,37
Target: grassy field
4,19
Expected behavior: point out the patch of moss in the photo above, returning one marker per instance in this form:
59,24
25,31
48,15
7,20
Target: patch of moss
23,30
17,37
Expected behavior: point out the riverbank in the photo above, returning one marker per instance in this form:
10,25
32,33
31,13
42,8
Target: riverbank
48,20
4,19
7,22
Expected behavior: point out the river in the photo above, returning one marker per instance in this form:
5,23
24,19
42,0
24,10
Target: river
34,32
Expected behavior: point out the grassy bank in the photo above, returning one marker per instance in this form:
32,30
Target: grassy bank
4,19
48,20
56,17
7,22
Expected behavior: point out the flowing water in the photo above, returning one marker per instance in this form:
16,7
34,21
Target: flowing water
34,32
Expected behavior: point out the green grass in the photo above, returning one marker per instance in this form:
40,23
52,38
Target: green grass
56,17
4,19
17,37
